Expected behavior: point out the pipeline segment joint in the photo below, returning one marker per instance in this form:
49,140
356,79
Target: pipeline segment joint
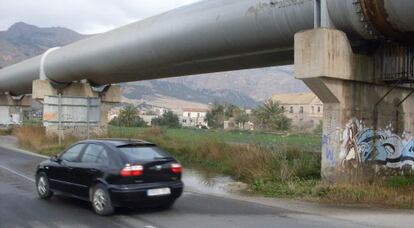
42,72
376,19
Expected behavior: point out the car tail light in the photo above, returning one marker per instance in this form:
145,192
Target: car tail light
176,168
132,170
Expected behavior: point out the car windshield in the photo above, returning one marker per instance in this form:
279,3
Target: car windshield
139,153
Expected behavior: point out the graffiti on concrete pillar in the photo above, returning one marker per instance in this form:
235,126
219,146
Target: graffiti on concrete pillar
330,156
363,145
328,146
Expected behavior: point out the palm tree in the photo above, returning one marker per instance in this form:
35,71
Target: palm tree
128,117
270,116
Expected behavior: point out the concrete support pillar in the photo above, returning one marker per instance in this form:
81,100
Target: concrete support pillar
367,124
76,109
11,108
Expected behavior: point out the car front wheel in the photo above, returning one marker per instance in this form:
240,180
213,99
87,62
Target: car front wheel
101,201
42,186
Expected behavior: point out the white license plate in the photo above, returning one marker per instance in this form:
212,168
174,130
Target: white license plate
159,192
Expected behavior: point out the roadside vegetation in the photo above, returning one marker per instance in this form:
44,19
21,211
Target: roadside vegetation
279,166
5,131
34,138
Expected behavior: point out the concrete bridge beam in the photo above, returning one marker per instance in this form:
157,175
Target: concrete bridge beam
367,124
77,108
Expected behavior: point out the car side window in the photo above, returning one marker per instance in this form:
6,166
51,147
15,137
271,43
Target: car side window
72,154
95,154
103,157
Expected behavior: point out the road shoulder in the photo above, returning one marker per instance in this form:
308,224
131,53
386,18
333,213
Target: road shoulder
10,143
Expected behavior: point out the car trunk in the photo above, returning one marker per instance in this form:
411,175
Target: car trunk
156,163
159,170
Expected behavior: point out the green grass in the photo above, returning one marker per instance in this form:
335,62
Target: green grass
400,181
294,188
306,142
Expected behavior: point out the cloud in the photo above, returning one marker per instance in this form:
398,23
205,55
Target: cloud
84,16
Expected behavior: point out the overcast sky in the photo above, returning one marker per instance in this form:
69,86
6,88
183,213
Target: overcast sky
84,16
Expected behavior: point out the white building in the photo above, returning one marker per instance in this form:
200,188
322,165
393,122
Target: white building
194,117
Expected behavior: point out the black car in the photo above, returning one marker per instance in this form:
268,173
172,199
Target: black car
112,173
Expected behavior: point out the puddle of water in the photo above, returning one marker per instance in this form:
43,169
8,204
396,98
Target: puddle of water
221,185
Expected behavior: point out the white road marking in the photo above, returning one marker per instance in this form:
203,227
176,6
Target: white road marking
18,174
134,221
23,151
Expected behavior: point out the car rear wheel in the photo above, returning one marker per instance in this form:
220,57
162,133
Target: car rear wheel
101,202
42,186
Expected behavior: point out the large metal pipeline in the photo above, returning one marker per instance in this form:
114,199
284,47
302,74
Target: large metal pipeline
373,19
208,36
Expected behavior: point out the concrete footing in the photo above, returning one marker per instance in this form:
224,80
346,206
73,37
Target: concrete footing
367,123
11,108
76,109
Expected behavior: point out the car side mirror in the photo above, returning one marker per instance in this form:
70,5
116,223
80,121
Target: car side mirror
55,158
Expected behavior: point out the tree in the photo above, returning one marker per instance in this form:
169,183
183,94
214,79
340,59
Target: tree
221,112
168,119
270,116
215,117
128,117
242,118
231,110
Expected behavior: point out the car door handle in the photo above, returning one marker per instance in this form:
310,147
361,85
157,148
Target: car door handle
93,170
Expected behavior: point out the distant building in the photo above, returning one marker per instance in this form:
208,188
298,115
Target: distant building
232,125
193,117
148,118
113,113
189,116
304,109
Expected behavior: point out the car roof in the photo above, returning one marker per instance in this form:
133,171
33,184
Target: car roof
120,142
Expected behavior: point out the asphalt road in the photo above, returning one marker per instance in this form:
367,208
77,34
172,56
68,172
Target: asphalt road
20,207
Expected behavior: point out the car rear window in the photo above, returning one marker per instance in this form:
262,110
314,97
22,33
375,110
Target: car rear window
143,153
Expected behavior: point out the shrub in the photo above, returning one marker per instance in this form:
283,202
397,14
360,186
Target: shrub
168,119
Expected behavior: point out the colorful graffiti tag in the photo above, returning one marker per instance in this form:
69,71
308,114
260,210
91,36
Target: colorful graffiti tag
362,145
